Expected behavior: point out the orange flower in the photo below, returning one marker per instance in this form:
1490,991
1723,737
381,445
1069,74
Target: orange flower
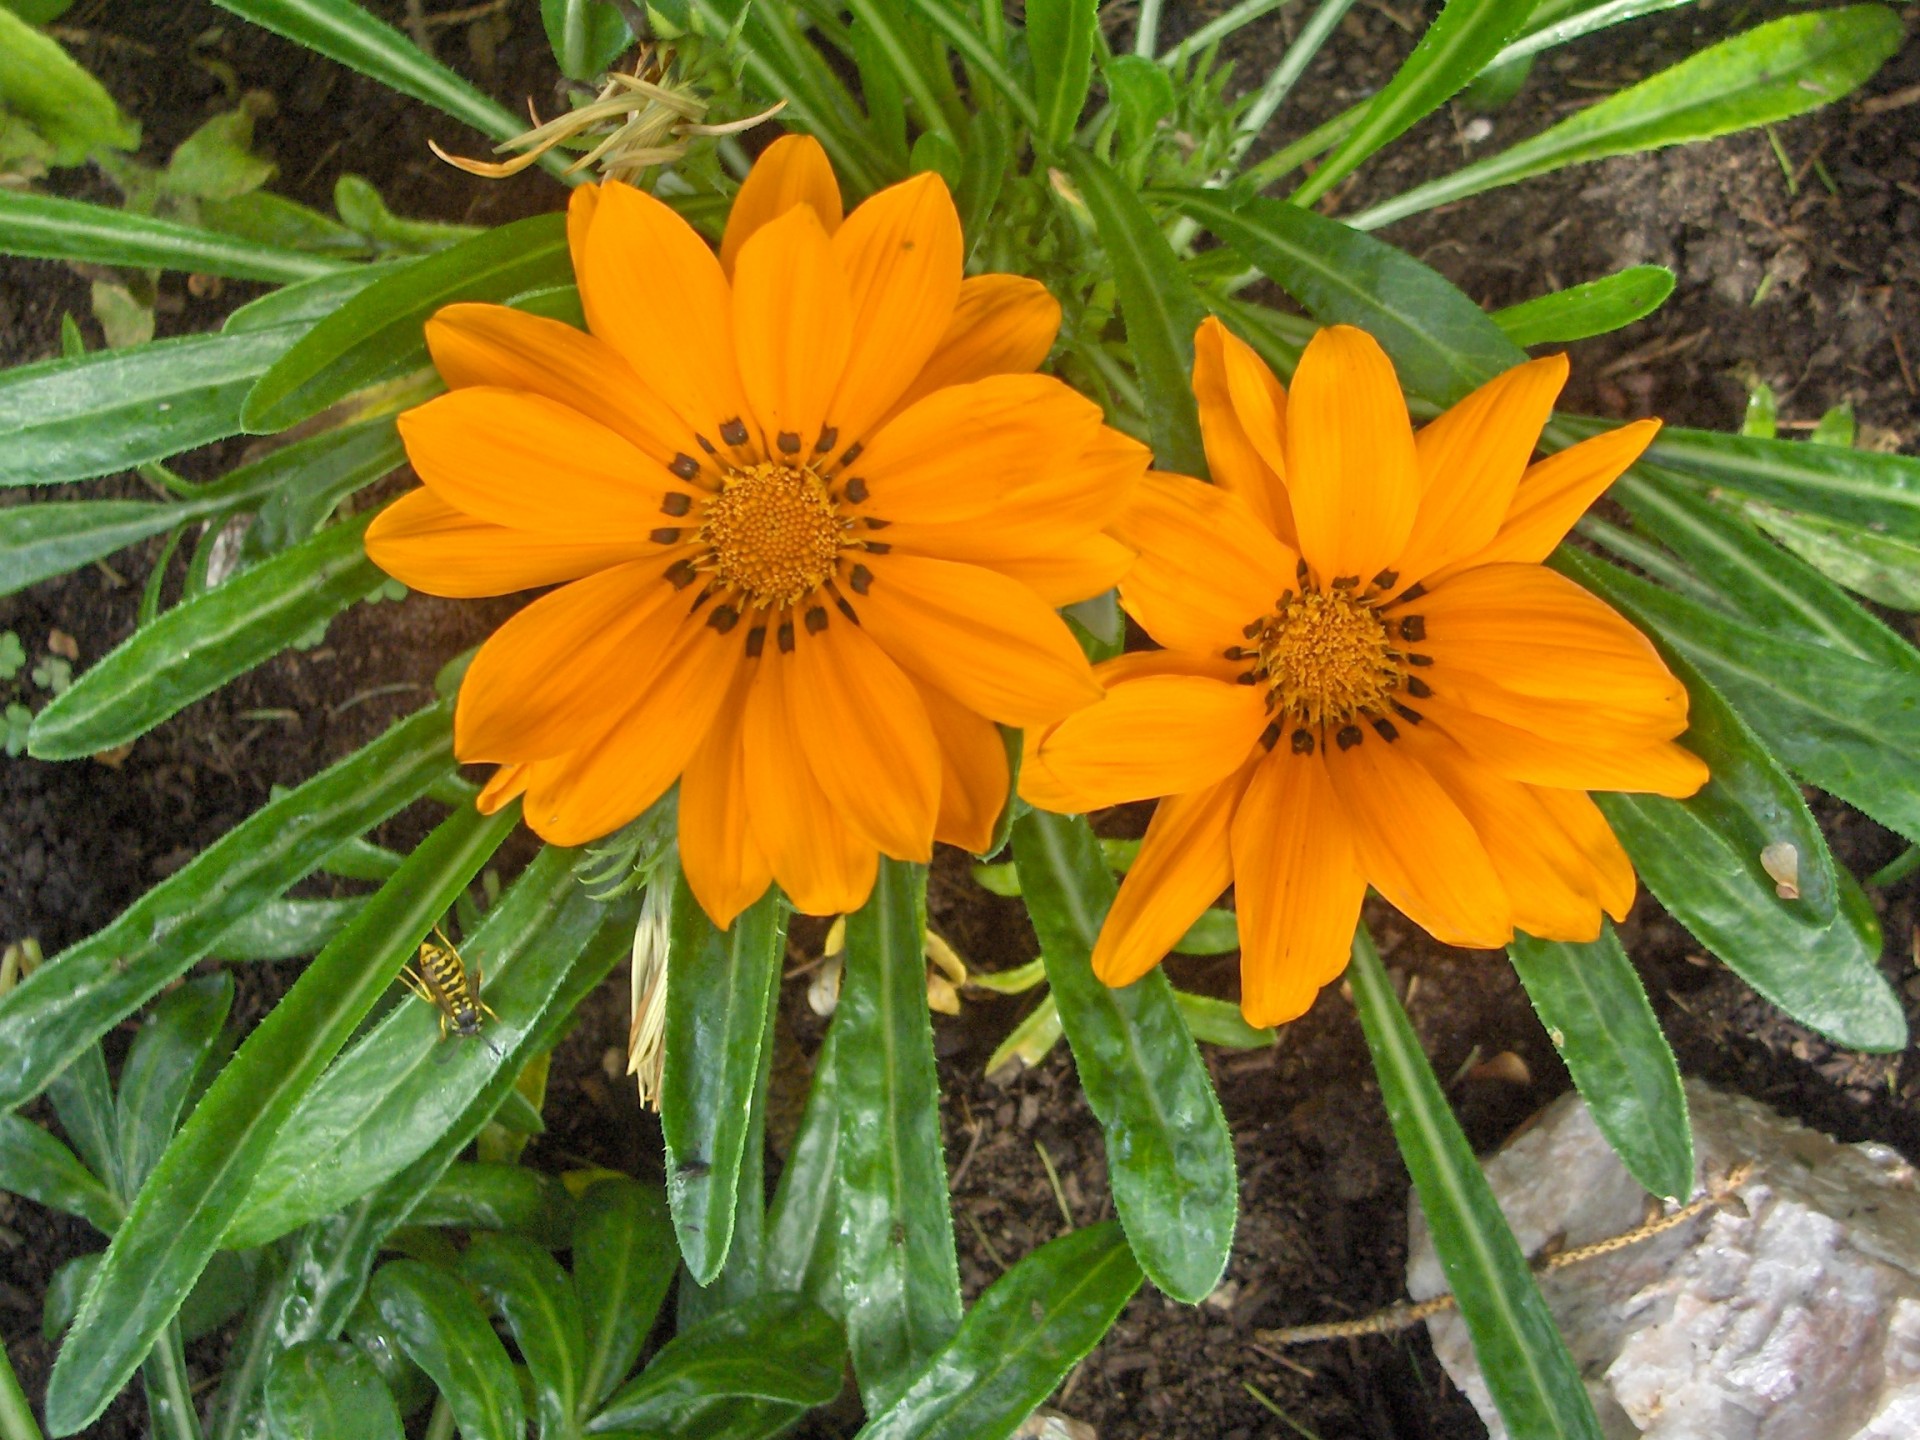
809,511
1369,677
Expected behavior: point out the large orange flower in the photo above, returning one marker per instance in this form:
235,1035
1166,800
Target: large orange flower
813,513
1369,677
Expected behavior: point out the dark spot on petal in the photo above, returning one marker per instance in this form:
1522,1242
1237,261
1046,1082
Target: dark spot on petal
1418,688
724,618
816,619
1303,742
756,641
676,503
734,432
685,466
829,437
1349,736
1413,627
1386,729
784,637
665,535
857,490
861,579
681,574
788,442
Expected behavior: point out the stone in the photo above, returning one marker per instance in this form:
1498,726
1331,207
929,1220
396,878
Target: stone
1788,1311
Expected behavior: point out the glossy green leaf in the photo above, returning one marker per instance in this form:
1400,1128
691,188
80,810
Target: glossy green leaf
82,1099
1457,46
899,1277
1214,933
1595,308
178,1219
1018,1343
1159,305
772,1347
52,1017
322,1391
586,35
483,1195
65,105
310,301
62,1300
379,333
34,1164
286,929
1143,95
1772,72
196,647
802,1223
717,1009
1555,22
167,1059
310,489
263,218
1219,1022
1597,1014
1169,1152
1522,1357
107,411
1885,568
343,1140
1443,345
527,1288
55,229
42,540
344,31
412,1391
624,1258
447,1335
223,1290
1060,47
168,1387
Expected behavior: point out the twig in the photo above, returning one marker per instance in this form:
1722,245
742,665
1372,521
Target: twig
1053,1179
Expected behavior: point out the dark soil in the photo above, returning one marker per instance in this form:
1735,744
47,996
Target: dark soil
1323,1194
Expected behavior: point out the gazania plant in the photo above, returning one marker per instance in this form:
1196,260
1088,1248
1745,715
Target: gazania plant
995,435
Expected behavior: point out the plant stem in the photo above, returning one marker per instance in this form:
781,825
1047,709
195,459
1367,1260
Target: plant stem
16,1416
1897,869
440,1427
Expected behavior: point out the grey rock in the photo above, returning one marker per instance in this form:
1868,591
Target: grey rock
1789,1311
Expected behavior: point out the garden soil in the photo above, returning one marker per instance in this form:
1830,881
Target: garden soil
1802,267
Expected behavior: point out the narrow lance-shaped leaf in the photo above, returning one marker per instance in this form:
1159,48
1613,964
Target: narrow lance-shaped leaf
54,229
1060,47
49,1019
1169,1153
168,1055
1597,1015
36,1165
802,1221
180,1215
1522,1357
1771,73
624,1259
447,1335
1885,568
898,1274
286,929
322,1391
311,301
529,1290
1596,308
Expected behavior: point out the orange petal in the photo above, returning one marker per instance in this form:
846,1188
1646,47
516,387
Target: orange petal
496,345
504,786
825,868
1001,325
654,291
1183,865
1471,460
1556,492
1157,735
791,329
1628,763
974,773
533,464
1243,423
1297,887
1074,572
988,641
724,866
866,734
1351,471
1207,567
1580,819
901,252
792,171
425,543
1417,848
581,206
595,790
567,665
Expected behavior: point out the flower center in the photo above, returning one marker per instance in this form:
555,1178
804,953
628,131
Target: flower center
773,533
1328,658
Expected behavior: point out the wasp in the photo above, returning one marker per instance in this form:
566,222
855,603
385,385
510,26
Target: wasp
439,977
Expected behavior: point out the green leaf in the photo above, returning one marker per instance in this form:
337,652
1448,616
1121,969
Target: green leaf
262,218
64,104
49,1019
624,1259
110,410
310,301
1143,94
529,1290
166,1061
1060,45
586,35
772,1347
69,1282
223,1290
178,1219
1169,1153
1885,568
895,1250
717,1009
1029,1329
287,929
490,1195
34,1164
1442,344
1522,1357
1214,933
326,1391
1159,305
362,206
1835,427
54,229
799,1250
378,333
1219,1022
82,1099
1762,415
1595,308
216,162
1457,46
38,12
447,1335
342,1141
1772,72
1596,1013
343,31
39,541
198,646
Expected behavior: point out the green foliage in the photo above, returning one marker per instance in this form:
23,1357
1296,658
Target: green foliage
66,114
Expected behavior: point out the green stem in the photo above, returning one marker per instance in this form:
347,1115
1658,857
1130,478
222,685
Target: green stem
1897,869
169,1391
1146,34
16,1416
440,1427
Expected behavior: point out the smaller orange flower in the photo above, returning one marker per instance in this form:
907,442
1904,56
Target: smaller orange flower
1369,677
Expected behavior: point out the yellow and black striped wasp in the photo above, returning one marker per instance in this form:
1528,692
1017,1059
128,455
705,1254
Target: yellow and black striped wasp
439,977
